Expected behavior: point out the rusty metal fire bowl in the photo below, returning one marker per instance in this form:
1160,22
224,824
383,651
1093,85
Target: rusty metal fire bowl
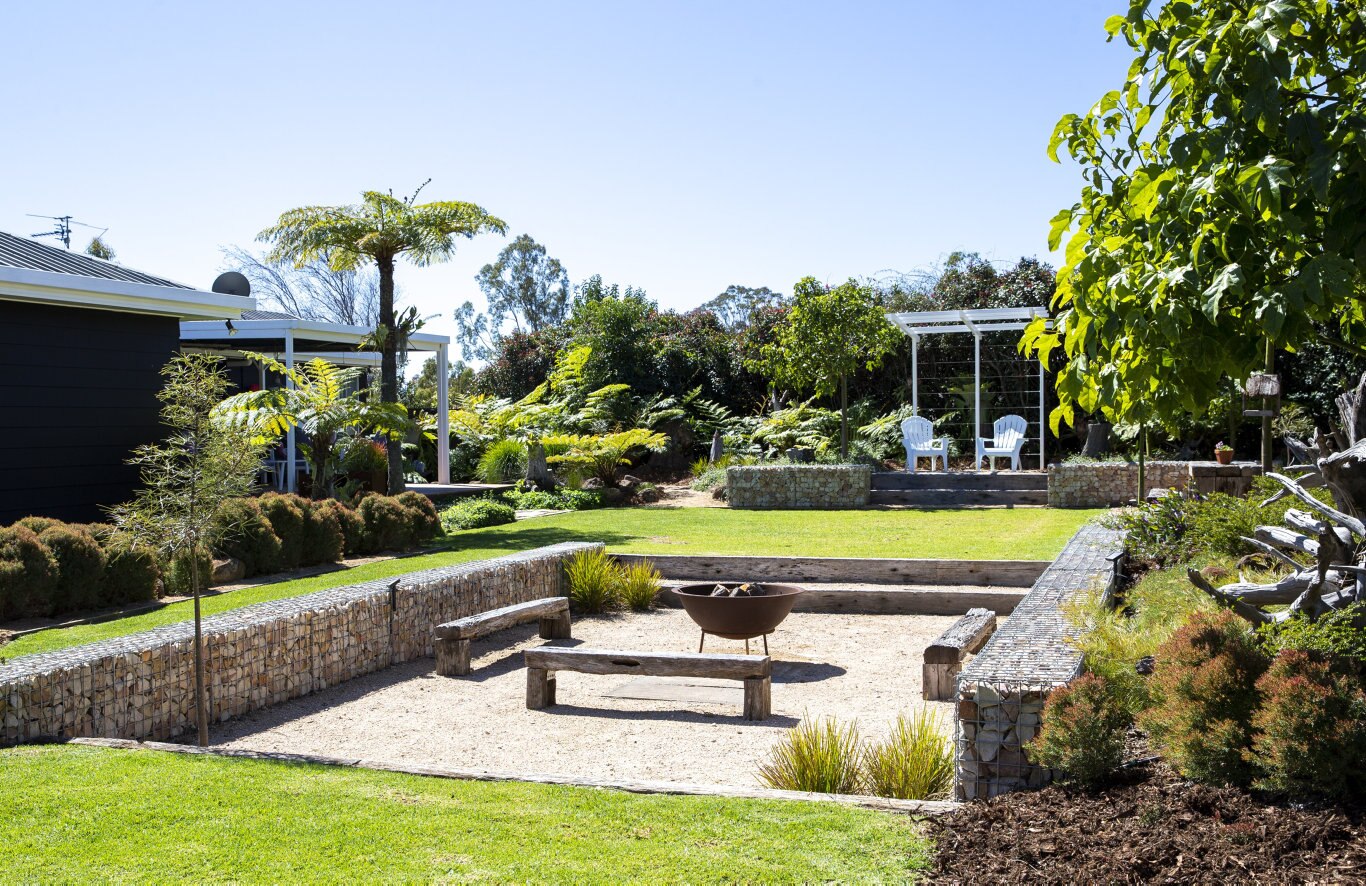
737,618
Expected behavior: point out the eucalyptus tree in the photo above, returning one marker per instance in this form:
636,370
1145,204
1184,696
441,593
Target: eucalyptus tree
380,229
1223,213
525,286
826,337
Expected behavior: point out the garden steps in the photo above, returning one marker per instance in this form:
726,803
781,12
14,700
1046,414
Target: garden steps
938,489
885,599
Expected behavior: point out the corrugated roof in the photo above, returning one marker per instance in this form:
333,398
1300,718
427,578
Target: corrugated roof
22,252
267,315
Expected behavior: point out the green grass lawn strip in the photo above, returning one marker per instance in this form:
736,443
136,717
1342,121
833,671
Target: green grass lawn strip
71,814
967,534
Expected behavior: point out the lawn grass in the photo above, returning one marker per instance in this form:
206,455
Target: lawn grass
994,534
72,814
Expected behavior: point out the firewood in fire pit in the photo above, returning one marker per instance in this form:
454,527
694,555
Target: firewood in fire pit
720,591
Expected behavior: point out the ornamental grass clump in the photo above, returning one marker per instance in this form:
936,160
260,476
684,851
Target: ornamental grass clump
914,762
593,579
1083,731
638,585
503,462
1203,697
822,756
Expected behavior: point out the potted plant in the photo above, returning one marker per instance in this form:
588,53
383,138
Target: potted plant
1223,453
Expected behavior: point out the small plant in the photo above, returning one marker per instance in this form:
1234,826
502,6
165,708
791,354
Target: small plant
1083,731
503,462
1310,731
915,762
1204,695
638,585
818,756
593,579
1221,446
183,571
476,513
1334,635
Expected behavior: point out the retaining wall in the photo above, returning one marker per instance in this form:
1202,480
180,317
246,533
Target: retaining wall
142,685
1104,484
1001,692
816,487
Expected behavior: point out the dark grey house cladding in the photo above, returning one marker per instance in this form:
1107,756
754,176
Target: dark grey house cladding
82,342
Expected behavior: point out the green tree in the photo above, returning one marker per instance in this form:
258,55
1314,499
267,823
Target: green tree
324,404
186,479
380,229
525,286
736,307
98,248
1223,215
827,335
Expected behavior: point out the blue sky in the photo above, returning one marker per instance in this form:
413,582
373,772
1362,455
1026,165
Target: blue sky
678,147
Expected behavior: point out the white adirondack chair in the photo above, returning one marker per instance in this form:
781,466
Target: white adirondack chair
1009,439
917,435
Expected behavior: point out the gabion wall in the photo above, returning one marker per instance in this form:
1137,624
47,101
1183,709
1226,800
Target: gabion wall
1104,484
1002,691
816,487
142,686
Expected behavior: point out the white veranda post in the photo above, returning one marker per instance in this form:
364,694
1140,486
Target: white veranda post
915,376
1043,412
443,416
291,477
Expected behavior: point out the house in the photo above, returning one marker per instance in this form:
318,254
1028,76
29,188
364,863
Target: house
82,343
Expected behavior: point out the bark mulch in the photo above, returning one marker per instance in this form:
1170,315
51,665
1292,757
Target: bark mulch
1156,828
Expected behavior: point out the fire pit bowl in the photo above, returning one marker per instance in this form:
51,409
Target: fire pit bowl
737,618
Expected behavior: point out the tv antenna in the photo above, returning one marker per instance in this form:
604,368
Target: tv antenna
62,231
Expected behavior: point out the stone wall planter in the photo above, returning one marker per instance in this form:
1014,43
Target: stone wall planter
1105,484
816,487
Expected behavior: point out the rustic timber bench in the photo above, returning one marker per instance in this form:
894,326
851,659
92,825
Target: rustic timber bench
756,671
944,657
453,638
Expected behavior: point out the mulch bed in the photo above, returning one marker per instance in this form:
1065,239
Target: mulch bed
1154,828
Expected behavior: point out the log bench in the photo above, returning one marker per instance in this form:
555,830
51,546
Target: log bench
944,657
756,671
453,638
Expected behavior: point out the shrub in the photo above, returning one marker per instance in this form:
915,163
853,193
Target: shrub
1334,635
823,757
1083,731
638,585
1310,731
503,462
593,581
1204,694
80,566
350,522
287,522
387,523
131,575
476,513
177,572
915,762
426,522
38,525
28,573
323,540
563,499
242,531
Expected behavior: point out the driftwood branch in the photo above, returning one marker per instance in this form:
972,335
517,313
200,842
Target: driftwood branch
1356,526
1284,538
1242,608
1272,552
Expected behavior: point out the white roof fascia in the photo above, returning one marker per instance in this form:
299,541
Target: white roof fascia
70,290
248,330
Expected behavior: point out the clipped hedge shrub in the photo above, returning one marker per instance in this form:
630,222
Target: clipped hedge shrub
287,522
80,566
476,513
426,522
242,531
324,540
1204,695
388,524
352,526
1083,731
28,574
38,524
131,575
1310,731
177,574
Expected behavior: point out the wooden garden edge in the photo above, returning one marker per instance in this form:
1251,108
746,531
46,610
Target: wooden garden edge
913,807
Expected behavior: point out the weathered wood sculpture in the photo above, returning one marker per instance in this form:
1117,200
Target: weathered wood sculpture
1333,535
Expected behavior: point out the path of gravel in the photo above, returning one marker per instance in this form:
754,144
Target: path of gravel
864,667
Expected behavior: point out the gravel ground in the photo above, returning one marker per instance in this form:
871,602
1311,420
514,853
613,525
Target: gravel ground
855,667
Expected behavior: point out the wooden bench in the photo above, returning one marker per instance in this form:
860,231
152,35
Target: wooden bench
944,657
756,671
453,638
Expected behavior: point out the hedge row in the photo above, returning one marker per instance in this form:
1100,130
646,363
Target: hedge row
50,568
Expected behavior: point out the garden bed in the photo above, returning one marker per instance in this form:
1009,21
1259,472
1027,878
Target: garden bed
849,666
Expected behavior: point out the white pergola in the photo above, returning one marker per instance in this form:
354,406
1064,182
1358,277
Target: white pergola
977,321
292,337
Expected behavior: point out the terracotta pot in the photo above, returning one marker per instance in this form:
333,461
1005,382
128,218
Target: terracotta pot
1223,456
